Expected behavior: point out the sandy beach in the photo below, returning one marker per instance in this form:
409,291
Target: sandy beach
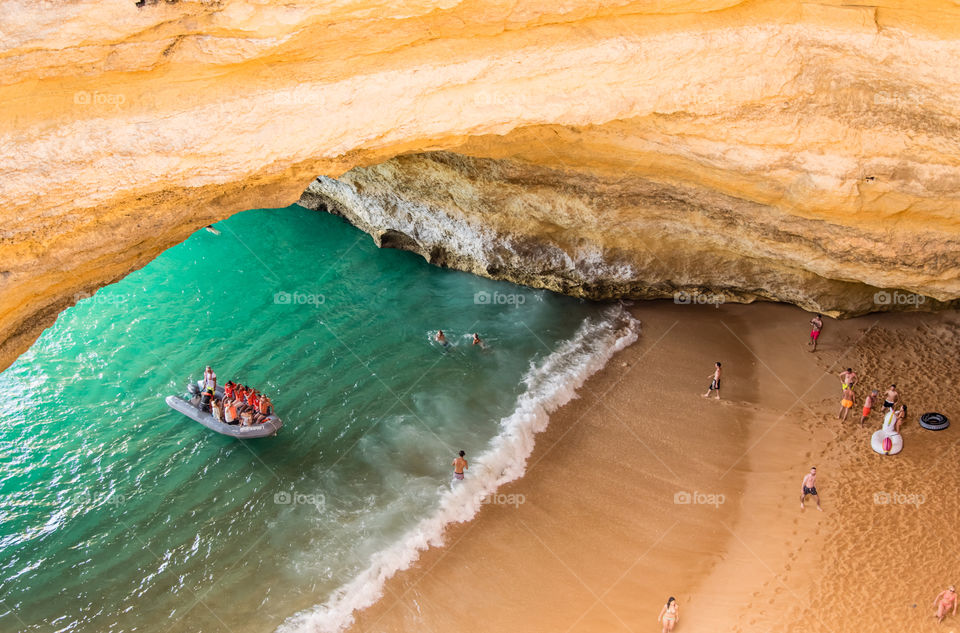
642,489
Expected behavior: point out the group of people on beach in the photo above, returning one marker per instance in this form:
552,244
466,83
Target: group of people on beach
848,378
891,398
240,405
947,600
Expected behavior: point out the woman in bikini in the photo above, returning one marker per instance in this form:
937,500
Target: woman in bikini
669,615
901,416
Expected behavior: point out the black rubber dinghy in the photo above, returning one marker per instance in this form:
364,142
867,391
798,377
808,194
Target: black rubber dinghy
192,411
934,421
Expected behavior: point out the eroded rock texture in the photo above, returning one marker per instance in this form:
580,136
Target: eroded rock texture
620,236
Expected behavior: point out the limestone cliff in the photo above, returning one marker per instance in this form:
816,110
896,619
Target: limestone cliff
815,143
621,236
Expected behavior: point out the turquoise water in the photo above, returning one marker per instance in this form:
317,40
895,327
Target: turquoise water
119,514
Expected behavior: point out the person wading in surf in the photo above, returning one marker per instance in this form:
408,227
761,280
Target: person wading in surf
459,465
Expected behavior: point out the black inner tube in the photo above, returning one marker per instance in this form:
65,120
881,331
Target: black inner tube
934,420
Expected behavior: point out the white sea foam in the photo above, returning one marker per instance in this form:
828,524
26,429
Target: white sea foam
549,385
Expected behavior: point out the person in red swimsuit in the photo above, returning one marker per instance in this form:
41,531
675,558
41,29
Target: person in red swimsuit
817,324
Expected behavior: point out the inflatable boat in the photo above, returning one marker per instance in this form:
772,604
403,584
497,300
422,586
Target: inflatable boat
191,409
887,441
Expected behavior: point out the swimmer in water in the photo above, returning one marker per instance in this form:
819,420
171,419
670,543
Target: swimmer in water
459,465
442,339
477,341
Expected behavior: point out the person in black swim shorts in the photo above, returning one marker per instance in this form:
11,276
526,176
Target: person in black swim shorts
714,382
809,486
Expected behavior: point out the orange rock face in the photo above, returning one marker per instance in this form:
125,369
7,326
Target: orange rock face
829,132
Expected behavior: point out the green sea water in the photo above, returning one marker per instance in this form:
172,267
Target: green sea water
119,514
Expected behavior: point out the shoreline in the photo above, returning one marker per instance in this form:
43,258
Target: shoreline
601,539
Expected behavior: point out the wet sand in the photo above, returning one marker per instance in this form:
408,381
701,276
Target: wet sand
642,489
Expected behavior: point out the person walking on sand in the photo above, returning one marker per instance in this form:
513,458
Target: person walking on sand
945,601
848,379
809,487
715,382
460,465
846,404
868,405
669,615
817,324
890,399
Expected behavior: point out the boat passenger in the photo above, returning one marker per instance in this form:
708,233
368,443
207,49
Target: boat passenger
230,412
217,410
246,418
205,400
210,380
240,395
228,389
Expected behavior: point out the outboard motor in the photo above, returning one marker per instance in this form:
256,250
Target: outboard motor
194,391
